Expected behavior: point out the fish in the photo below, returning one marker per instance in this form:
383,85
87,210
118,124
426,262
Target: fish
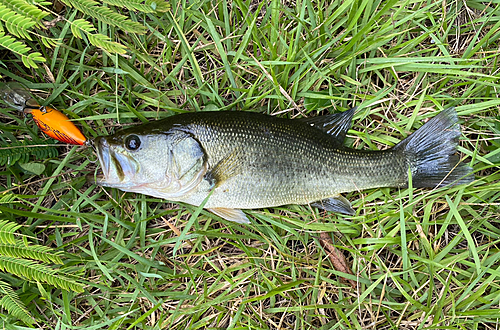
230,161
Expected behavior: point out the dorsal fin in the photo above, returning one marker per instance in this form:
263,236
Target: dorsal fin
335,125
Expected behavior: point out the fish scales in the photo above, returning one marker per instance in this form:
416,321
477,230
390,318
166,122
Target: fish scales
285,162
247,160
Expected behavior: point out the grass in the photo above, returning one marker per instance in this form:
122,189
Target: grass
421,259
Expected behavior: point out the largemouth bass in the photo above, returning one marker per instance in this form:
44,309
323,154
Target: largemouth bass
241,160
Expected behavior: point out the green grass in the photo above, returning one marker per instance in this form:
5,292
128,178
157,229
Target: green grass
421,259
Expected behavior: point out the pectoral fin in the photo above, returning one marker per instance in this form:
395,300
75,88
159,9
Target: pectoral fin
337,204
234,215
335,125
226,168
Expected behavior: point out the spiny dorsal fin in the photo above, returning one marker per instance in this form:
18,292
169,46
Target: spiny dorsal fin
335,125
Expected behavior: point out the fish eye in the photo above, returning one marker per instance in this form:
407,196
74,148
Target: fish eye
132,142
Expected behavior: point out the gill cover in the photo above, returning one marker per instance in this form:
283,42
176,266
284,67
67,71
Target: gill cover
162,165
187,165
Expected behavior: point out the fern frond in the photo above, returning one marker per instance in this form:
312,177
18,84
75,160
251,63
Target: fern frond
28,10
147,6
17,24
41,2
22,50
99,40
11,302
106,15
7,230
81,24
102,41
13,152
47,41
7,198
39,273
29,60
36,252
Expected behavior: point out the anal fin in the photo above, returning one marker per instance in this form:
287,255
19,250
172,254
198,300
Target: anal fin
235,215
337,204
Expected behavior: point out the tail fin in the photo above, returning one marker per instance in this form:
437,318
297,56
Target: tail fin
432,155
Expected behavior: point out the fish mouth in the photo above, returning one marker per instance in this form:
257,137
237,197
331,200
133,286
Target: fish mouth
117,168
101,148
96,178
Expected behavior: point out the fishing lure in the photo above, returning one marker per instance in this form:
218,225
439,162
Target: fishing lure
54,123
15,95
51,121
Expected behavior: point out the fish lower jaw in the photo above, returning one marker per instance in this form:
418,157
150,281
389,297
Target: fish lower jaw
100,179
96,178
